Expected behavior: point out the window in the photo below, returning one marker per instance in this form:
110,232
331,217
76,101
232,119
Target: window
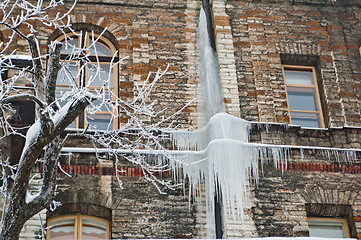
303,97
24,115
23,118
101,54
328,227
12,67
77,227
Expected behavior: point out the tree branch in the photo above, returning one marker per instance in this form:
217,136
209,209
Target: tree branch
30,97
49,179
52,74
35,54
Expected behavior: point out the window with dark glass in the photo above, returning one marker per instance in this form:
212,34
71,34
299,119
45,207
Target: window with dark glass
93,76
23,115
303,97
77,227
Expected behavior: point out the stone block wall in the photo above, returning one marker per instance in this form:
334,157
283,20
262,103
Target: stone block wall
135,209
288,198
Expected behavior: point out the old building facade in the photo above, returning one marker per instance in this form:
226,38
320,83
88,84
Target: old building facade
290,67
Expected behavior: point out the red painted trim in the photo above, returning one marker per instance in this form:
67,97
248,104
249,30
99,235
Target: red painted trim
320,167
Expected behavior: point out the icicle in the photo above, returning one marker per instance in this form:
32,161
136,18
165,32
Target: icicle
225,156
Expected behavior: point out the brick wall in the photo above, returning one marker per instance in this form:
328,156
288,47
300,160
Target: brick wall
264,31
288,198
137,210
253,39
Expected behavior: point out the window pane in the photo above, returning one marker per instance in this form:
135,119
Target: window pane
302,99
68,48
100,49
92,233
98,105
62,233
94,222
67,75
58,94
97,77
306,121
299,77
94,229
63,228
326,231
101,121
330,228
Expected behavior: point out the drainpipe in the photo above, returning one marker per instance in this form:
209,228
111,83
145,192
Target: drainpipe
207,7
218,205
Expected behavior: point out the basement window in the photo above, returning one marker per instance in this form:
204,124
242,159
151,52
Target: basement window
303,97
328,227
77,227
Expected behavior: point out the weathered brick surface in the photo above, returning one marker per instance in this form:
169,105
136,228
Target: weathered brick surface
253,40
264,31
152,34
280,134
288,198
139,211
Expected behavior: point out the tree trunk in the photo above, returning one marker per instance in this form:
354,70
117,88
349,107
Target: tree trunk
13,223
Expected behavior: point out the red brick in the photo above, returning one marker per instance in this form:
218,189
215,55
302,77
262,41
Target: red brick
251,94
222,22
345,94
260,92
225,18
126,84
255,25
317,28
314,13
338,47
243,44
283,119
326,58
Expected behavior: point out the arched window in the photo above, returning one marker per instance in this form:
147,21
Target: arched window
95,74
77,227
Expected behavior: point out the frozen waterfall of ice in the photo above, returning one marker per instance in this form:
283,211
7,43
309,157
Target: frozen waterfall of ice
210,83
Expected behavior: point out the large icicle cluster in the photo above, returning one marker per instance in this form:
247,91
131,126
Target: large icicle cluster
223,155
218,158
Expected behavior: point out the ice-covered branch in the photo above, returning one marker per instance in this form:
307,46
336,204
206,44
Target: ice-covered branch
37,77
45,196
52,73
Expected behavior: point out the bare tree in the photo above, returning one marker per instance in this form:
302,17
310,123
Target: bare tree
55,112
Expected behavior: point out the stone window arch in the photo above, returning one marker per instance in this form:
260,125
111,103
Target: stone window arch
328,216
